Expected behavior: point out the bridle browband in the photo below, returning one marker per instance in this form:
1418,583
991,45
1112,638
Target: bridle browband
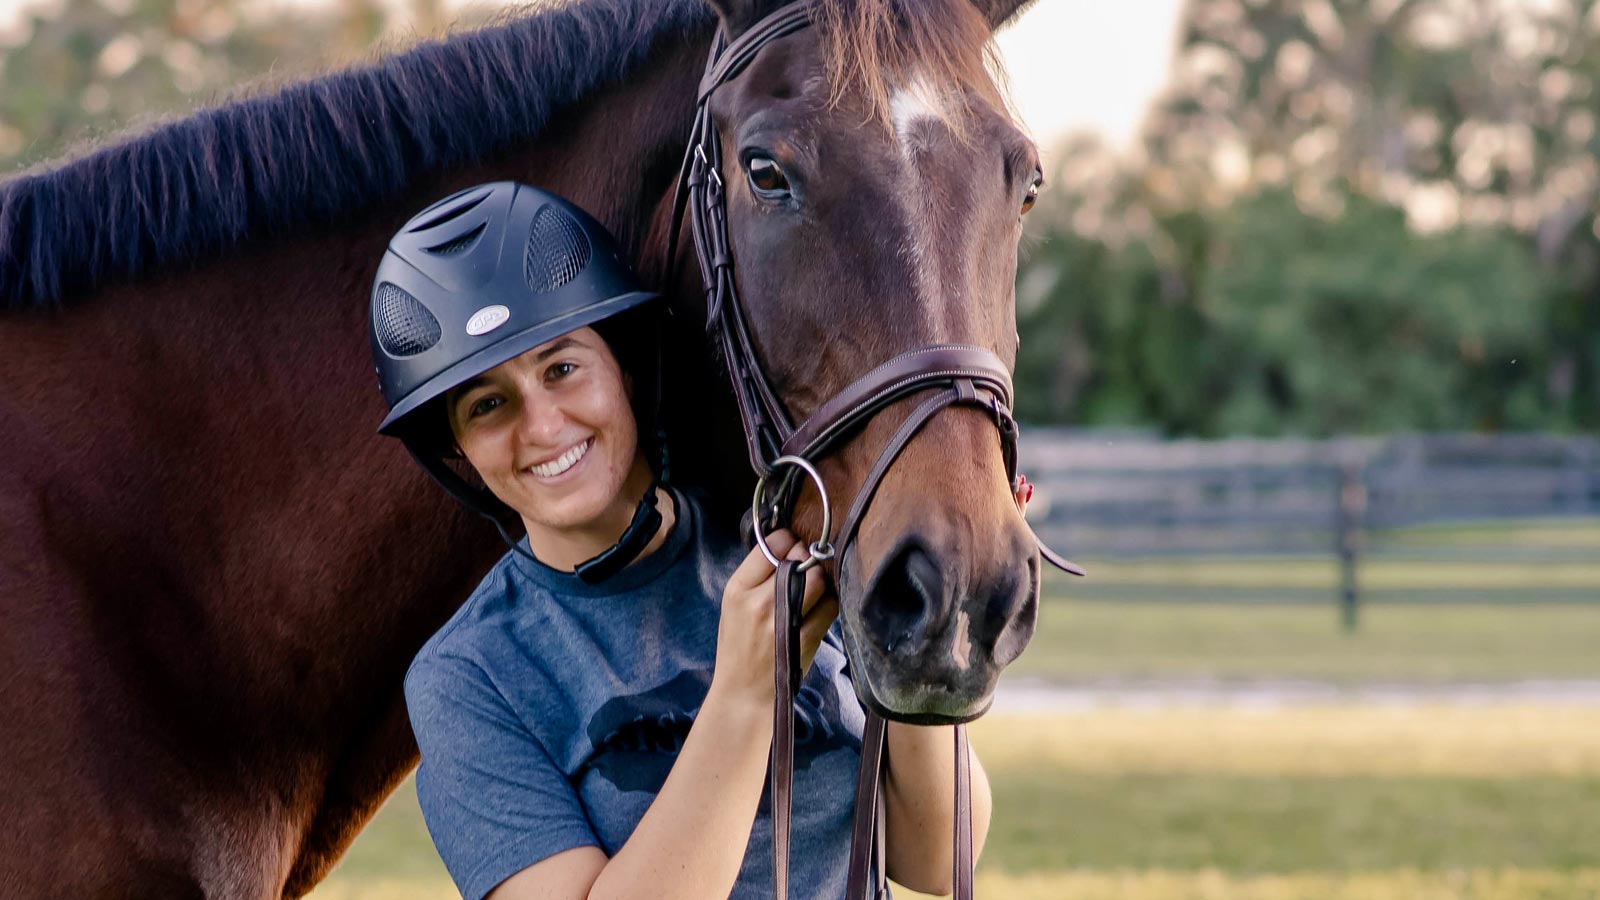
960,375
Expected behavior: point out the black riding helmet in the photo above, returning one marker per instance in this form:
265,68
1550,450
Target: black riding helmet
474,280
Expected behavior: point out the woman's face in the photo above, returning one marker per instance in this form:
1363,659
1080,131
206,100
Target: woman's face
551,432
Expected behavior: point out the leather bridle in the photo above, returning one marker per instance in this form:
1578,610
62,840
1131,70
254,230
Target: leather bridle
780,452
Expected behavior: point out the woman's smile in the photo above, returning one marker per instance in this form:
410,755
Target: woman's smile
566,463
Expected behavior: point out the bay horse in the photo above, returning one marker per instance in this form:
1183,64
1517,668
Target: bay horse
213,575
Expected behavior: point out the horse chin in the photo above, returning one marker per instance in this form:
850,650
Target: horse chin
900,690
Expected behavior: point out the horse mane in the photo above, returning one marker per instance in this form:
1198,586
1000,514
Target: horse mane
315,152
328,149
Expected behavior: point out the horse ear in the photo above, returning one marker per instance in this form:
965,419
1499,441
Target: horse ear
999,12
737,15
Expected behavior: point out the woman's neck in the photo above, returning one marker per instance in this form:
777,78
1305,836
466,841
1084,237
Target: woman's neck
563,549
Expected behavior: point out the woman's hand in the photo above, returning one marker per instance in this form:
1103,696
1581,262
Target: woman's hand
744,662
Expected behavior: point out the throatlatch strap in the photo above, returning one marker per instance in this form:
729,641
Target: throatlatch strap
791,589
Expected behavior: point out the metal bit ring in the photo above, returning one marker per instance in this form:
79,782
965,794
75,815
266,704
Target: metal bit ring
822,548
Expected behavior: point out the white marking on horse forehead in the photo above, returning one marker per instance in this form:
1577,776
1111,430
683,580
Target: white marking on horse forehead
911,102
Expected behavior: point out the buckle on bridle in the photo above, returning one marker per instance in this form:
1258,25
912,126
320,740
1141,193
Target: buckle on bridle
822,548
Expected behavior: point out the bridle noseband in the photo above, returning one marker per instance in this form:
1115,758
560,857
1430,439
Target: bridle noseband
781,452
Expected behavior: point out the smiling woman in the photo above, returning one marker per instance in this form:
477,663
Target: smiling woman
481,315
552,435
593,722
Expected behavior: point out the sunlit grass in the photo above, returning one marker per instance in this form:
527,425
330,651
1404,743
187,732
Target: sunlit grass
1582,534
1204,884
1319,802
1215,884
1375,574
1331,740
1445,642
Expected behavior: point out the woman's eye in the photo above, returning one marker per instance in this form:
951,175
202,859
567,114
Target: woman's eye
1033,193
560,370
483,406
766,177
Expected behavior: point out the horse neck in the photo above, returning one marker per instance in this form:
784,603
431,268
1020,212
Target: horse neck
281,562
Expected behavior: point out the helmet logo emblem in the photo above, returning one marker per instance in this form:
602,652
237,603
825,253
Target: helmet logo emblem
487,319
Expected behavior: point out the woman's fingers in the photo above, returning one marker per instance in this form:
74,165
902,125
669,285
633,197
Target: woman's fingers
756,569
816,587
814,627
783,542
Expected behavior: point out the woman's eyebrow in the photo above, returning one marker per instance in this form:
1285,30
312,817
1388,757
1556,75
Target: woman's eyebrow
560,345
468,386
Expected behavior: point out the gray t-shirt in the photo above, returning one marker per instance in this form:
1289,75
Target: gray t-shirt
550,711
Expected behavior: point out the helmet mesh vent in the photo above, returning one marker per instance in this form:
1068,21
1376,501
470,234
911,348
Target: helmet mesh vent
557,251
457,244
405,327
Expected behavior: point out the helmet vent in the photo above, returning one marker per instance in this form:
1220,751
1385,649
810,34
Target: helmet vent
557,251
458,244
449,209
405,327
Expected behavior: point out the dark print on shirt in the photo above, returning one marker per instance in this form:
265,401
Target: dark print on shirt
637,738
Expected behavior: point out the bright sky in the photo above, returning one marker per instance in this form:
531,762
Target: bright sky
1074,64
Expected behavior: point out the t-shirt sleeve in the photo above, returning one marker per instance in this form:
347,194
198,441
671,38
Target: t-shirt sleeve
493,799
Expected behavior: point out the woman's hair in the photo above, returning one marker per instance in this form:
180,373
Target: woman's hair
634,339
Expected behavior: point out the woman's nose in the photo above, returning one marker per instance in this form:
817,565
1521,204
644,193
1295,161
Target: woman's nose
542,421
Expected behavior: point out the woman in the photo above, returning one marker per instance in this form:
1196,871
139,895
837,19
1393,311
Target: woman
593,722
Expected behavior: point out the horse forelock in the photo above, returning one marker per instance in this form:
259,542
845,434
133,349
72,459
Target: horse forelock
882,47
301,157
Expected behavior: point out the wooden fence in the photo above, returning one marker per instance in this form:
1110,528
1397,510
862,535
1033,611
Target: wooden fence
1118,496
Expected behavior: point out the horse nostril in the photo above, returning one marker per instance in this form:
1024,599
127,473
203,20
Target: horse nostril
906,600
1008,618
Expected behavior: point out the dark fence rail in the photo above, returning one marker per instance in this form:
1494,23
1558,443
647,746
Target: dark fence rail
1111,496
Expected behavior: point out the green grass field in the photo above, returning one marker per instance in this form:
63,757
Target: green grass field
1435,642
1276,618
1320,802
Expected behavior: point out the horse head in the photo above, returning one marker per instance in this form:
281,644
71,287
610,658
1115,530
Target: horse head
876,186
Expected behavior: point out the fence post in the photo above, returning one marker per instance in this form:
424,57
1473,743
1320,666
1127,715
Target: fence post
1351,502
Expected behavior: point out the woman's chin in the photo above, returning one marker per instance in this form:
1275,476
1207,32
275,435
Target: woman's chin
581,506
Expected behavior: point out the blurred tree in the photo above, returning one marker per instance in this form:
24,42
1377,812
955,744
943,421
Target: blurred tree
1345,216
87,67
1475,112
1458,110
1357,323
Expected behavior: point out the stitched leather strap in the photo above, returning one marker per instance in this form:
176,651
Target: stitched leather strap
906,373
735,56
791,586
868,820
867,878
961,877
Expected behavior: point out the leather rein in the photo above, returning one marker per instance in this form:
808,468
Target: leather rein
780,451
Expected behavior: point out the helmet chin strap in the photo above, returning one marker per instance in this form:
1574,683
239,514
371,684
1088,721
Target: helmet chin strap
646,522
643,527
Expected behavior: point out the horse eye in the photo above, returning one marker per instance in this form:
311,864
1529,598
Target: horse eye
766,177
1033,194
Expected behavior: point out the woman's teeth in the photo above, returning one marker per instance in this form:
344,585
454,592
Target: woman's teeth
563,462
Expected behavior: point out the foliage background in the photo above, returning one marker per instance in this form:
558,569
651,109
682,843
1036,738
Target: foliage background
1341,216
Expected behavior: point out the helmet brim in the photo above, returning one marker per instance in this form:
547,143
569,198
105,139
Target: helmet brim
510,347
